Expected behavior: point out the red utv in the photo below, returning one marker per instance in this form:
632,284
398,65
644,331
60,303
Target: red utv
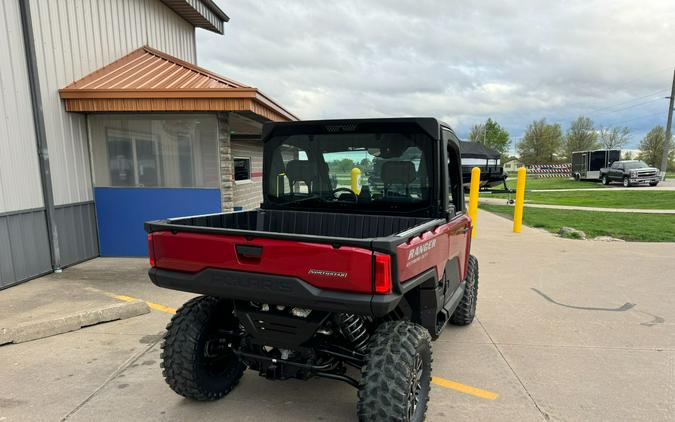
322,278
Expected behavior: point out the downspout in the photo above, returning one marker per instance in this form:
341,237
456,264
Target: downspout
40,132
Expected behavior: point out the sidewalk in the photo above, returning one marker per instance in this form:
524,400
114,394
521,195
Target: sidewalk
501,201
56,304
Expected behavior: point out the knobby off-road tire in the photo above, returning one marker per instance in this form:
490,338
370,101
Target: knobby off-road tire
191,367
396,379
466,310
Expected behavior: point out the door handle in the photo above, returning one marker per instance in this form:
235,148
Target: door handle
249,251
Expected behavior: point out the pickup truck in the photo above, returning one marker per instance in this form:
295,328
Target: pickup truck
629,172
321,278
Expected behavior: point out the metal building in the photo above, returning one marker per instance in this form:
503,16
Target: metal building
109,122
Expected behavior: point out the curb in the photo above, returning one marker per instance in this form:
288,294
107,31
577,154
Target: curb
34,330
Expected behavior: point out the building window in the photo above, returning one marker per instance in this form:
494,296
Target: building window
242,169
158,150
133,158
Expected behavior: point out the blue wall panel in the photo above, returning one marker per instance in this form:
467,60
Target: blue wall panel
121,213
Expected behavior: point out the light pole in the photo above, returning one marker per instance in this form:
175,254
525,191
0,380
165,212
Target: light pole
666,142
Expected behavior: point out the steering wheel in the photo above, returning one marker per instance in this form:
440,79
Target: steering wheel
338,190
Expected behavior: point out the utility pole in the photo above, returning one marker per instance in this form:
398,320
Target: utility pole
669,133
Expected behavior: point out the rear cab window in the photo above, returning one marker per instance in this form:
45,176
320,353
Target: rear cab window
361,171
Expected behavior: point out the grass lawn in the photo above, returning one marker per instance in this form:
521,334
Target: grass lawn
636,198
627,226
553,183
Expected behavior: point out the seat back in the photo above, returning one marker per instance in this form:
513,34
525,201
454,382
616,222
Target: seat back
301,171
398,173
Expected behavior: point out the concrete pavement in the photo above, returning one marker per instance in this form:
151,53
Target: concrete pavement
54,305
566,330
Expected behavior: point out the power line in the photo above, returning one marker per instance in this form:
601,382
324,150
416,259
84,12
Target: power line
632,106
644,75
629,101
622,121
641,77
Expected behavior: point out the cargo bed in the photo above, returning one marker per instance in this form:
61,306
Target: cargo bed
355,229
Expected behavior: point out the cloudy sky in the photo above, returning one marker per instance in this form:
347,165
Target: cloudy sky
461,61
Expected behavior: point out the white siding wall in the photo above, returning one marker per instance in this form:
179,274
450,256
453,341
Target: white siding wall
76,37
20,187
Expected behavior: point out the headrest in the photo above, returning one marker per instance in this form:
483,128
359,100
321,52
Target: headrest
300,170
398,172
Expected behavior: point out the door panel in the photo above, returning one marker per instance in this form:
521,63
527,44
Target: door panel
460,235
616,173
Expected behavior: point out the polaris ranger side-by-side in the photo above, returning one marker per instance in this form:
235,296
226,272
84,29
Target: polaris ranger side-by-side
322,278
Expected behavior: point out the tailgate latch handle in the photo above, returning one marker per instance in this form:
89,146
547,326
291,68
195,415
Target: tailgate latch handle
249,251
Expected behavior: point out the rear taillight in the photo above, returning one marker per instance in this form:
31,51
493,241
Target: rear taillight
382,274
151,251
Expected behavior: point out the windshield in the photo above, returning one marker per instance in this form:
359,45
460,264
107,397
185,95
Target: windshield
365,171
635,165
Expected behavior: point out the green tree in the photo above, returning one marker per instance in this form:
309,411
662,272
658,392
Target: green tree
541,144
651,147
365,165
492,135
614,137
581,136
345,165
477,133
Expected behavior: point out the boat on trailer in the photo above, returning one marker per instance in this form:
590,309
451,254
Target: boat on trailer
488,160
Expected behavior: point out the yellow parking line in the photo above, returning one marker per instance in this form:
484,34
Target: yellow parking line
154,306
463,388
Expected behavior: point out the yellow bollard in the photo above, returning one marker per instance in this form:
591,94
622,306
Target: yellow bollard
473,198
356,180
520,201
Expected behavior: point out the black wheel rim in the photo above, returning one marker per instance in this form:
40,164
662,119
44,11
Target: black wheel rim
415,386
217,357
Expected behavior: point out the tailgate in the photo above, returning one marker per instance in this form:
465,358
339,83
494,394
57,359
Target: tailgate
342,268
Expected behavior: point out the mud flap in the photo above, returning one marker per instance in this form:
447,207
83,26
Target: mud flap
431,295
454,300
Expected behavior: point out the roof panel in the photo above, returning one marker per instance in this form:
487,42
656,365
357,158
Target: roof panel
146,74
200,13
131,71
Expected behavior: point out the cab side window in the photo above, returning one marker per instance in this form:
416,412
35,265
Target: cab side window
455,196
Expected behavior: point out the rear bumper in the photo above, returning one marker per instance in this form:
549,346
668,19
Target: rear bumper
273,289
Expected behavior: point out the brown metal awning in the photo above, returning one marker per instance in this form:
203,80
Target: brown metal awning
149,80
